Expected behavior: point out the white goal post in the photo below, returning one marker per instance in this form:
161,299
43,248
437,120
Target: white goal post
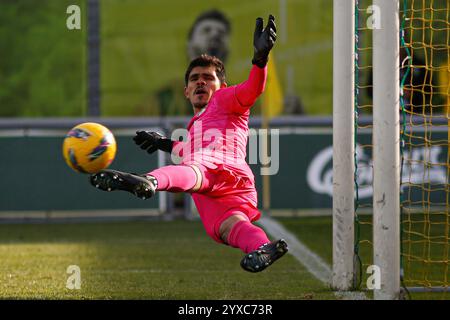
343,145
386,148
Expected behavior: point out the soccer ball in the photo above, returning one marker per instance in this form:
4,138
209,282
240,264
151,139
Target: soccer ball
89,147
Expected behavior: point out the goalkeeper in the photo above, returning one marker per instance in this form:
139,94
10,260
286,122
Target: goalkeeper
213,167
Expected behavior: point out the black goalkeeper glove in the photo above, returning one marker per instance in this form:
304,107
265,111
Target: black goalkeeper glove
152,141
263,41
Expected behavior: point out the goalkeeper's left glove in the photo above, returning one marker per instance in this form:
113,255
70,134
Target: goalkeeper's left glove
263,41
152,141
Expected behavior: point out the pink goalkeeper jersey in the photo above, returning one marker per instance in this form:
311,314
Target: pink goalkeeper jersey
218,134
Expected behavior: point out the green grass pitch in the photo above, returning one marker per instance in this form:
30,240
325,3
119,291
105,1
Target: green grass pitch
139,260
426,268
162,260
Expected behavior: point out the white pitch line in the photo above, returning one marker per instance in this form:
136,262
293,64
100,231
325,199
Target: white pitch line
312,262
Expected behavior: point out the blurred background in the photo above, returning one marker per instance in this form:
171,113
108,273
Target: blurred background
143,49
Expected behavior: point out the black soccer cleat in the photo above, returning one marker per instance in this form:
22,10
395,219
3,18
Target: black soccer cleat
143,187
267,254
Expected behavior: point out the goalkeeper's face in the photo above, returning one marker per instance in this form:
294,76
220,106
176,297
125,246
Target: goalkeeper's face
201,85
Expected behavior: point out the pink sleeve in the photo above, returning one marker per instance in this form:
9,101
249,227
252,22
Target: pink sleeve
248,91
241,97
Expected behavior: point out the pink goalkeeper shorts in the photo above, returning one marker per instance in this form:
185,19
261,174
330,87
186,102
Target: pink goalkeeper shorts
222,194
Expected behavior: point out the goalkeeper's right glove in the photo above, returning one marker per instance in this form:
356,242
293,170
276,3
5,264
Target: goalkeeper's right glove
152,141
263,41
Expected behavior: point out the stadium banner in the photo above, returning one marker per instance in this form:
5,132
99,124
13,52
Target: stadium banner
35,177
140,66
302,177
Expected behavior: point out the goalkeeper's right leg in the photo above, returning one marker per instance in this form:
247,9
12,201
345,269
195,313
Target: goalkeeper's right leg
143,187
264,256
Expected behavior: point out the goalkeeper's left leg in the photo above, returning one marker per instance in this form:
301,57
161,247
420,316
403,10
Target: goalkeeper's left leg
177,178
109,180
169,178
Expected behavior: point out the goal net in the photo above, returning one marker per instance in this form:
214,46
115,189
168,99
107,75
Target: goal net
425,211
421,214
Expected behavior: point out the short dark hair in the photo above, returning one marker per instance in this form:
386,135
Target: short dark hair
206,60
212,14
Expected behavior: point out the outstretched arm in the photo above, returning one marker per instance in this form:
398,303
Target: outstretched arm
248,91
263,40
152,141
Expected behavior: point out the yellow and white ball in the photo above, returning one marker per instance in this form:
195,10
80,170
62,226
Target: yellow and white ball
89,147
